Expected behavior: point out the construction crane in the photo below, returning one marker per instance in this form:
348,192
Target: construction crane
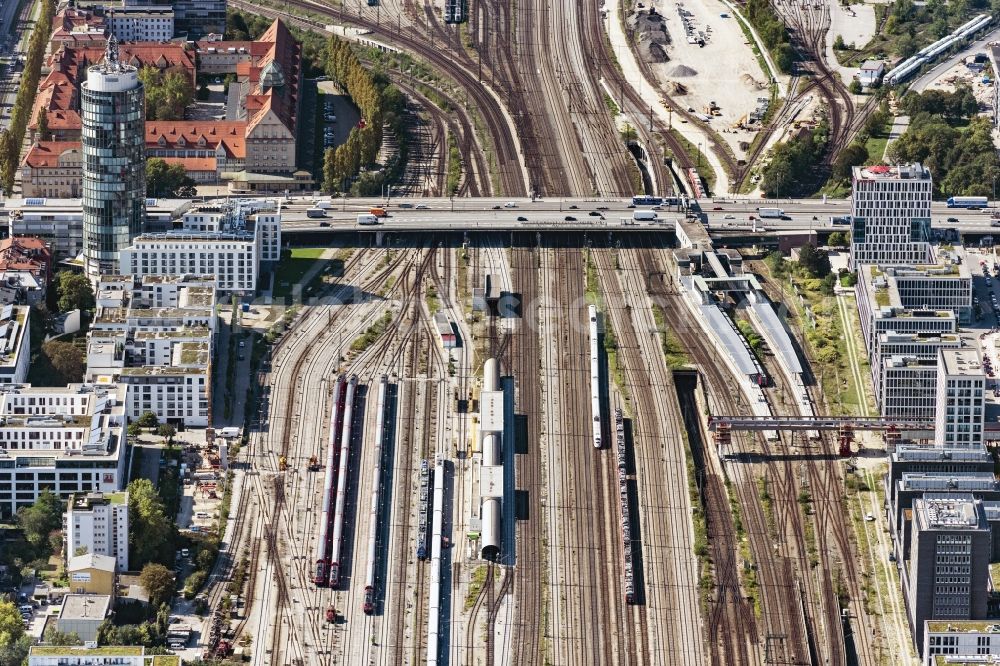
845,426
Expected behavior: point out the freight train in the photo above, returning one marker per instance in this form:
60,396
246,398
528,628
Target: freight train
595,378
369,603
322,570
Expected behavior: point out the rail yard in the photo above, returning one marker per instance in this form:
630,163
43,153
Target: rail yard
515,485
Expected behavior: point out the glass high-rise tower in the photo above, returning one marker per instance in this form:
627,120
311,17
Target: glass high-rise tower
112,102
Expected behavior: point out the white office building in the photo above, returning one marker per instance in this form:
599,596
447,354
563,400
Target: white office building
961,384
156,335
142,23
904,372
67,440
125,655
890,215
229,241
961,642
97,524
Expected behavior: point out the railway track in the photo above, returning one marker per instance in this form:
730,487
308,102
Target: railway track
783,634
510,170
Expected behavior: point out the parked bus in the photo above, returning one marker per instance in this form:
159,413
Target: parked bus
972,203
646,200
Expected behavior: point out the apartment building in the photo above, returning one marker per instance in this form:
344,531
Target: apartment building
961,385
947,576
97,523
15,343
67,440
155,335
25,270
149,23
231,242
890,215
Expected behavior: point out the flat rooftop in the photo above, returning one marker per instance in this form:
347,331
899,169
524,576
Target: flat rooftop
85,607
948,513
77,651
914,171
964,361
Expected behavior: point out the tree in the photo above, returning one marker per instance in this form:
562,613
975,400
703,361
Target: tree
816,262
11,624
838,239
168,93
331,175
158,581
151,532
167,180
74,291
855,87
16,651
55,637
41,518
134,429
148,420
838,43
66,359
166,431
854,155
43,124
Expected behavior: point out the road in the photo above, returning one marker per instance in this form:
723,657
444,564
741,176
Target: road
15,30
490,213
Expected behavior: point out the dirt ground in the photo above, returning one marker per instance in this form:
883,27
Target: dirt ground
722,70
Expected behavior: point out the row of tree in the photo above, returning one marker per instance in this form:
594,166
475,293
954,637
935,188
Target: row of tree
361,148
772,32
12,137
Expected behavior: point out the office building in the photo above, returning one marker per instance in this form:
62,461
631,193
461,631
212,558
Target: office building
114,175
961,384
142,23
890,215
98,524
904,373
52,169
67,440
961,642
195,19
947,575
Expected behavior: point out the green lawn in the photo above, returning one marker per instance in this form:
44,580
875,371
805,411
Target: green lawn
291,269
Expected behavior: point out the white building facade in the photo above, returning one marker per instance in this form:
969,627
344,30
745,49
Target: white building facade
15,343
142,24
890,215
961,384
67,440
98,523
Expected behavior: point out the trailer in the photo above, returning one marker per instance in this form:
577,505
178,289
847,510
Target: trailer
972,203
770,213
644,215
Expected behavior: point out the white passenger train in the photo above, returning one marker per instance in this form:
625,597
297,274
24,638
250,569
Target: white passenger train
595,378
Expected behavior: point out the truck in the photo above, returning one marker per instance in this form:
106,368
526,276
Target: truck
323,203
770,213
379,212
366,218
972,203
644,215
316,212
